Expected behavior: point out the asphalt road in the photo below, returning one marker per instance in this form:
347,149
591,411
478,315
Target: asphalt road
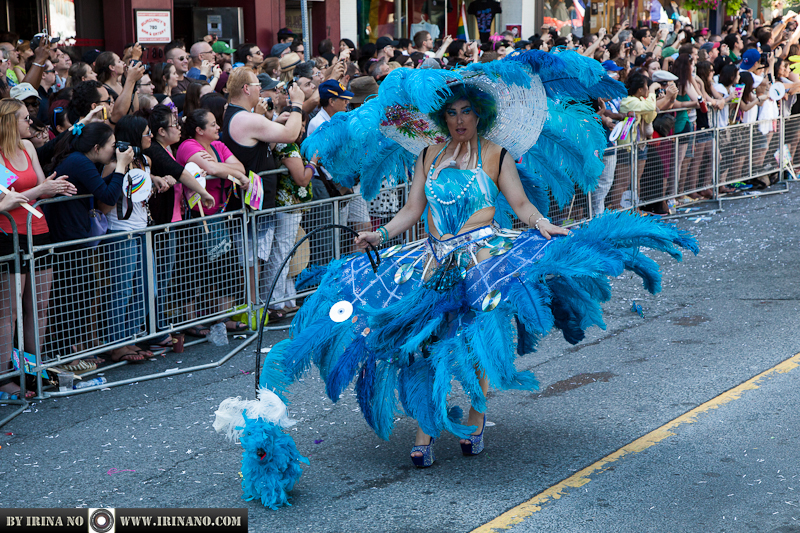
722,318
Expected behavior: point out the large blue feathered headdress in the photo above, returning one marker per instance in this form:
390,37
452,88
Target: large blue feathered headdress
544,119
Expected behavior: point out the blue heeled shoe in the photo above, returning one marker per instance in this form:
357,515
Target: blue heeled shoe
427,458
476,442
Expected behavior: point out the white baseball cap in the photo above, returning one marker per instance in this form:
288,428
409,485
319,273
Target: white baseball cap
24,91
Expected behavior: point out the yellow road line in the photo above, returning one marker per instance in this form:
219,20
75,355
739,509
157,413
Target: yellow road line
581,478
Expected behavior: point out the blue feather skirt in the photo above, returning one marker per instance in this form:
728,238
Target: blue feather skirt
434,313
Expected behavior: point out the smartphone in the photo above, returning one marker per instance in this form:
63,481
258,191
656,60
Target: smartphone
105,113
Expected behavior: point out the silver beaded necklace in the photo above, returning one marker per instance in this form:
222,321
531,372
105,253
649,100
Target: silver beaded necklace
466,185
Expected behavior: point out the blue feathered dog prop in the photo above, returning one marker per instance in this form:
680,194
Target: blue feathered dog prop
270,463
270,460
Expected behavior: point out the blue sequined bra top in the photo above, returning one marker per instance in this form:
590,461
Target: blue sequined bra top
455,195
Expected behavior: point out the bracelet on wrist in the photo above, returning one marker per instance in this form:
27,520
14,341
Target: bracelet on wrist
37,64
384,234
297,109
312,167
536,222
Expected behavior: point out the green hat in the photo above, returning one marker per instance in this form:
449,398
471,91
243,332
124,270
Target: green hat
221,47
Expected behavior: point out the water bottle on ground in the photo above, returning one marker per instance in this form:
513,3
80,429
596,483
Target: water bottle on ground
218,335
91,383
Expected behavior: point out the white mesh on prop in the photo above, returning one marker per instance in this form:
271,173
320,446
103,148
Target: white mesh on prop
521,114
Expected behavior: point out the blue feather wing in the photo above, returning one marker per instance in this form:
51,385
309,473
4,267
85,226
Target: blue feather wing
386,161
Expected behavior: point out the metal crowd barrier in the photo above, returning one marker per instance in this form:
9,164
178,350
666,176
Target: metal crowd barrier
11,302
668,168
133,286
127,287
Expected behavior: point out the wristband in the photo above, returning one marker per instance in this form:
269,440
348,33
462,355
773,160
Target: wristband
38,65
312,167
660,41
297,109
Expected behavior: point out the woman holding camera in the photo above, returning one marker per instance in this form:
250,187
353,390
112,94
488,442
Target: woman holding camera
110,72
127,268
79,154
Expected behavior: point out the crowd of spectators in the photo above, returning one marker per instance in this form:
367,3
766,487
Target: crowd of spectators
93,124
689,80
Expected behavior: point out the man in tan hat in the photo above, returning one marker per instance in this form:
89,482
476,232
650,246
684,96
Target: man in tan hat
362,88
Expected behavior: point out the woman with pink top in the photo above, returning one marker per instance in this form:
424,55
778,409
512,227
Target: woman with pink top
213,251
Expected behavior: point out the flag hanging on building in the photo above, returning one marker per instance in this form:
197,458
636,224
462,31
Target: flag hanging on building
577,16
463,31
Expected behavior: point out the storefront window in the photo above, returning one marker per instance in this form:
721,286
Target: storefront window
375,18
565,16
62,18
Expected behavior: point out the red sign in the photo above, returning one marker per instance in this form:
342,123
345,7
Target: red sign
153,27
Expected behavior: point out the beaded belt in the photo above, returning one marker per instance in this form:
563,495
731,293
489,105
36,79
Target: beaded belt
441,249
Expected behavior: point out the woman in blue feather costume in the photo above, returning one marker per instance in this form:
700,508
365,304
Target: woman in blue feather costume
489,140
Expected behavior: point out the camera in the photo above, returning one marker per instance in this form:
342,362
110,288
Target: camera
123,146
270,104
38,39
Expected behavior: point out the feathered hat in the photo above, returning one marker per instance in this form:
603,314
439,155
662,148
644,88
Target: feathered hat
544,118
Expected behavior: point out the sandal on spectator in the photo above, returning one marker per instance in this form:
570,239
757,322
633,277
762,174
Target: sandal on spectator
237,326
79,366
276,314
195,331
130,357
162,345
147,354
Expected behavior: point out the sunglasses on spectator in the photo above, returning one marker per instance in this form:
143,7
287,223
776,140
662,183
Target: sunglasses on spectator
49,71
108,101
147,134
